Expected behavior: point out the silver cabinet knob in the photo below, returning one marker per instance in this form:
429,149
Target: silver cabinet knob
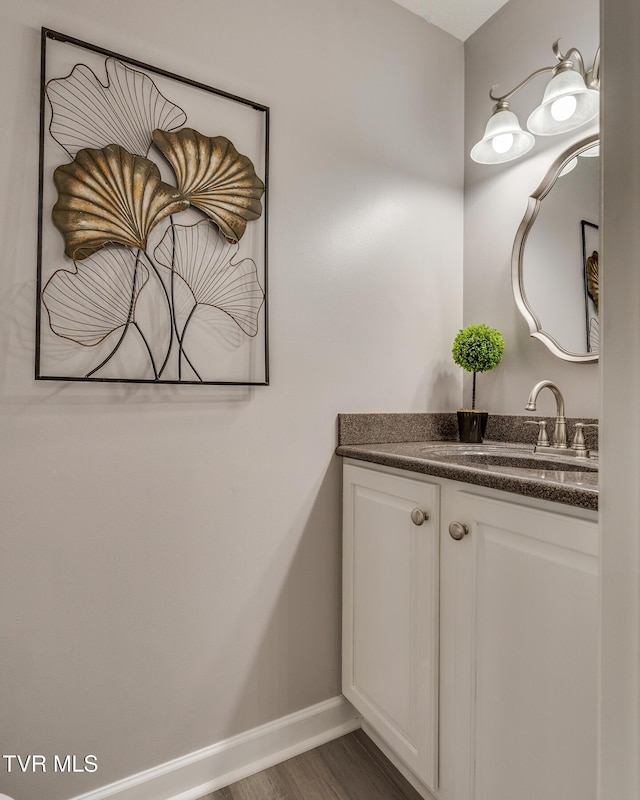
458,530
418,516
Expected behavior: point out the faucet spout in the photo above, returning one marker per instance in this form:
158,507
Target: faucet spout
560,431
533,397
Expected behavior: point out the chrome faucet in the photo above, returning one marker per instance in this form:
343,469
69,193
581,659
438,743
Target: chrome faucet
560,430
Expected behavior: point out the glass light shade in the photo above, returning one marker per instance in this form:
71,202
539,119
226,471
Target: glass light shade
503,140
567,104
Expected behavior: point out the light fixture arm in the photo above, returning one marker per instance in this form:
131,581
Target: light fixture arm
506,96
572,60
592,76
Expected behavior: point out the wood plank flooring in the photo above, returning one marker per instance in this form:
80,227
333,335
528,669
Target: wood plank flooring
349,768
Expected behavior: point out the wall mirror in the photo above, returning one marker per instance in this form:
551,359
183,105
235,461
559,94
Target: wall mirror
555,261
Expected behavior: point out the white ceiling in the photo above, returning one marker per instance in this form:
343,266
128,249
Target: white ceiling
460,18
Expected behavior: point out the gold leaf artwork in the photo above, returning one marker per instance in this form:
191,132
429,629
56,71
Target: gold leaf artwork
110,196
214,177
593,278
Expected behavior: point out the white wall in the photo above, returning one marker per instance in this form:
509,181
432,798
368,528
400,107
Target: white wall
513,43
171,556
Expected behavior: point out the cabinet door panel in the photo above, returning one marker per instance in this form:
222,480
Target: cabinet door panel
390,625
533,652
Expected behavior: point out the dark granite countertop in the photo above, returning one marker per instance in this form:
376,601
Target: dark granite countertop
407,448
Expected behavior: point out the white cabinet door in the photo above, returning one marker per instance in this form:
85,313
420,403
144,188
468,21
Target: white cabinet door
390,612
525,609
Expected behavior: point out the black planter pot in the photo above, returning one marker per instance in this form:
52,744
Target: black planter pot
472,425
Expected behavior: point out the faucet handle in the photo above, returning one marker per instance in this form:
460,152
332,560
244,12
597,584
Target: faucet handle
578,437
578,442
543,438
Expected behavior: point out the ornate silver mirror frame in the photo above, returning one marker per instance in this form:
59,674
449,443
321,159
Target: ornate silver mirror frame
517,258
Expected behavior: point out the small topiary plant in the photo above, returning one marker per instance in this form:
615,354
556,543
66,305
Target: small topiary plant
477,348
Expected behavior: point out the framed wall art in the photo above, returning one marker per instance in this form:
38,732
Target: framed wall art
152,224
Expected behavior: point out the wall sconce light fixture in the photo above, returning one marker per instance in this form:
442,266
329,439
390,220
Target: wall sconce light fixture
571,99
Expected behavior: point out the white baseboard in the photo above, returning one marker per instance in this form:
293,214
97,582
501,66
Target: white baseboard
197,774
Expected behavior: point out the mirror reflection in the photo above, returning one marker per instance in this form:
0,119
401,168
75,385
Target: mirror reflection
557,252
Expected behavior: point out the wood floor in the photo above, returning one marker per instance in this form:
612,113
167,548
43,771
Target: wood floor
349,768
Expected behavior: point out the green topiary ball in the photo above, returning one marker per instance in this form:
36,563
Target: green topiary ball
478,348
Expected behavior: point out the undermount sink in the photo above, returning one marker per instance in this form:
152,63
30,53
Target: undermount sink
498,455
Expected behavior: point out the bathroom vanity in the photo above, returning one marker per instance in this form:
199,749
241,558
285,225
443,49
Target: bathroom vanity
470,617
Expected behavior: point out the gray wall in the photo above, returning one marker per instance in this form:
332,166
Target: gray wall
513,43
170,573
619,768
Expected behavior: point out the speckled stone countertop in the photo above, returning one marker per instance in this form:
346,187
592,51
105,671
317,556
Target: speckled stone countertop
403,441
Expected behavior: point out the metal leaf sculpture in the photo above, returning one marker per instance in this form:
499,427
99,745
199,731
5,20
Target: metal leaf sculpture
215,177
110,196
97,299
594,335
135,296
593,278
204,260
125,109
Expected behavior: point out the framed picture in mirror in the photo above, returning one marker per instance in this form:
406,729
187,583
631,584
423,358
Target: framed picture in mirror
591,265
